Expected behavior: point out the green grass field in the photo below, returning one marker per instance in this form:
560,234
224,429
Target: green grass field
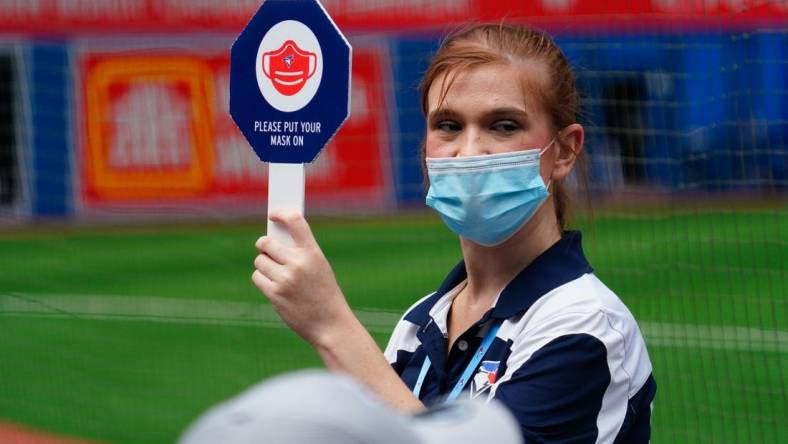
125,334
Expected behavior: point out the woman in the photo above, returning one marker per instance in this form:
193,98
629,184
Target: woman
522,318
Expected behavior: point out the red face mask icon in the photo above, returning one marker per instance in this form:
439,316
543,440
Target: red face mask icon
289,67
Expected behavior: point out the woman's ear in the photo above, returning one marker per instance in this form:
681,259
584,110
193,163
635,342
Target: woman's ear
570,143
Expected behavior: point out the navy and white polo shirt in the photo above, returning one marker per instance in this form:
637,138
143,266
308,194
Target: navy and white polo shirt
569,360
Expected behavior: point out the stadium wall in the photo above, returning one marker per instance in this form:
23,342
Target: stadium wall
123,111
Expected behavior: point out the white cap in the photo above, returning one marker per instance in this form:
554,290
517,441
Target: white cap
328,408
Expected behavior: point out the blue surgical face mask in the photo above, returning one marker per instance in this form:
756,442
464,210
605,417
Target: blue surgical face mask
487,198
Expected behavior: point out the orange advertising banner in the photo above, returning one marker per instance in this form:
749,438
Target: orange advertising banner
148,133
156,130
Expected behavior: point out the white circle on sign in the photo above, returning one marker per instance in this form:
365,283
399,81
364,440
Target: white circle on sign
289,65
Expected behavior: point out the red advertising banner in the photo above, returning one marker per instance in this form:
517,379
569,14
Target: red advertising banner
70,16
157,130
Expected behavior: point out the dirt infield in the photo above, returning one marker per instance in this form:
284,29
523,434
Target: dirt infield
15,434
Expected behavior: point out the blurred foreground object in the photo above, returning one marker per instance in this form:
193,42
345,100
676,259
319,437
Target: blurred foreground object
317,406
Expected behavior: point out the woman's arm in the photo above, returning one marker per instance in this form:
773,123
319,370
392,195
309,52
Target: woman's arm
302,288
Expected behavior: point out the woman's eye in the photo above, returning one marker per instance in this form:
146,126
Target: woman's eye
448,126
505,126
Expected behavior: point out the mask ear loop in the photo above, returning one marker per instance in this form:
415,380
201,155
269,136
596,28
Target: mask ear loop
549,145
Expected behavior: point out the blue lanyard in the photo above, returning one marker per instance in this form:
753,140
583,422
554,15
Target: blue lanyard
466,375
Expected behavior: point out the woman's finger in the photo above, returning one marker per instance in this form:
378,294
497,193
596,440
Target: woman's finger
265,285
275,249
297,226
269,268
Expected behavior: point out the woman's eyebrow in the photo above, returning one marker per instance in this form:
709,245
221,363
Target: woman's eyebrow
495,113
510,112
442,113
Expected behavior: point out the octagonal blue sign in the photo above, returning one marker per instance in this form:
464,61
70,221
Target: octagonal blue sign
290,80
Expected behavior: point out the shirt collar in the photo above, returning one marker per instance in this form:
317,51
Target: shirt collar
563,262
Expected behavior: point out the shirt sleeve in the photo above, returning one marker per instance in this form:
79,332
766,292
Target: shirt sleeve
557,394
403,339
403,342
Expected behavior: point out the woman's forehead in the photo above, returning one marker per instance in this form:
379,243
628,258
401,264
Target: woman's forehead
514,85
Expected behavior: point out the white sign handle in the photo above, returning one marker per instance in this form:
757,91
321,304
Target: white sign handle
285,192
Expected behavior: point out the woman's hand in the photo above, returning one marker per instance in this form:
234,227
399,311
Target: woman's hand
300,284
302,288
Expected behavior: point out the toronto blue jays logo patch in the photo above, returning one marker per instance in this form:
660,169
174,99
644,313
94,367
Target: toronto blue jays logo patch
485,377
